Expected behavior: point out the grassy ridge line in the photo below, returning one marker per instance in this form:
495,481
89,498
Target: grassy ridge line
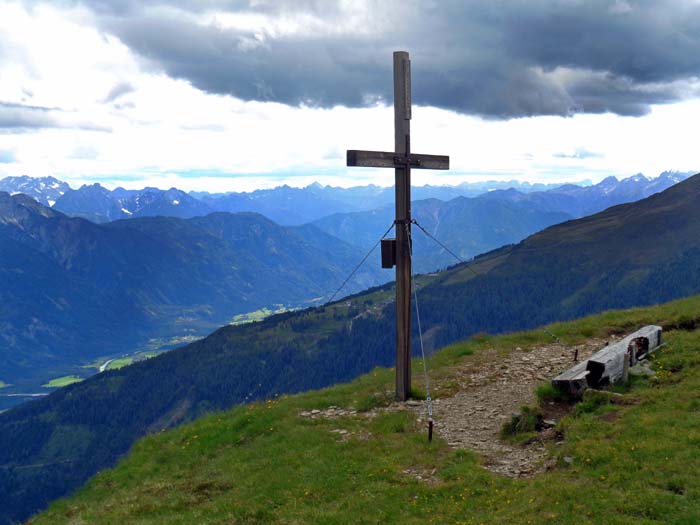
262,463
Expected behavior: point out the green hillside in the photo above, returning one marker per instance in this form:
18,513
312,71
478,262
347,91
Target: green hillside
632,462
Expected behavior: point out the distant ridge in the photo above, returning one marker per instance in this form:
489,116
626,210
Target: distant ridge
98,204
581,201
46,190
469,226
286,205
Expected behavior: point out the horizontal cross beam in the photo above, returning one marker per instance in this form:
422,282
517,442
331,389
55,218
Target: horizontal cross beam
387,159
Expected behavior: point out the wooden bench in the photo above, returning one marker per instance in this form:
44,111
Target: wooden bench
611,364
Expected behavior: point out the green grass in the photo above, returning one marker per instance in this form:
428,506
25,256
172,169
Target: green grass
119,363
547,392
592,401
632,463
63,381
94,364
259,315
522,424
161,344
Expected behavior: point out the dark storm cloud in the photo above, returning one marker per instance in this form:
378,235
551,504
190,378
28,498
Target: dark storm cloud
495,58
647,41
218,61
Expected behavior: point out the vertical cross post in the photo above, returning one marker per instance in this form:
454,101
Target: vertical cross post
402,160
402,142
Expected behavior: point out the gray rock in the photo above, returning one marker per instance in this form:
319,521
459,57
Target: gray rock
643,368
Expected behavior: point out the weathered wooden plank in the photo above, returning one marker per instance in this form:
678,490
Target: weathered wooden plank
644,342
611,364
402,192
573,380
388,159
607,366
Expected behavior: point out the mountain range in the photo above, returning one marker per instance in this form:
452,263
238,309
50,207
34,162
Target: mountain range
73,290
98,204
471,226
579,201
46,190
73,283
631,254
466,226
489,217
294,206
287,205
284,205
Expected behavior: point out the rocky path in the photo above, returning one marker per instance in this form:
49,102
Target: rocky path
490,388
490,391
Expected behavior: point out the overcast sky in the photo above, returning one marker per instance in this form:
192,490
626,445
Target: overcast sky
233,95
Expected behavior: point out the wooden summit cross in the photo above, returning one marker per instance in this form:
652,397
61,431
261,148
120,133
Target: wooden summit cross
402,160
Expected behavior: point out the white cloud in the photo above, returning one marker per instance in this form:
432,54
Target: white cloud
162,129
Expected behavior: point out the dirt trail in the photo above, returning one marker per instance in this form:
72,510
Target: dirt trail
491,389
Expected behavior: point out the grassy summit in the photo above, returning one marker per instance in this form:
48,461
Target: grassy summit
631,463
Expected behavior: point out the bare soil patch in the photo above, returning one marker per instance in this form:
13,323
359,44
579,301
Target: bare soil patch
490,391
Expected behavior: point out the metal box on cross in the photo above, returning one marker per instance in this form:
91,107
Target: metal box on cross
388,253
